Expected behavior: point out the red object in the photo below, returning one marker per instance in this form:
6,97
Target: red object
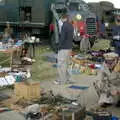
4,110
80,25
51,27
86,36
92,66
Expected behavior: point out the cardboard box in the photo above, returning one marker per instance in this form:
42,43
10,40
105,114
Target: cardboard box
27,91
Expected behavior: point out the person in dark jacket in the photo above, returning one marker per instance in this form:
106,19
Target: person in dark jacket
64,49
116,35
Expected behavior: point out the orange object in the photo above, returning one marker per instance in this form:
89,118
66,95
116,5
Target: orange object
72,53
79,61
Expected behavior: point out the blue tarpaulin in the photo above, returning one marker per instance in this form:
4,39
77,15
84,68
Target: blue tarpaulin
79,87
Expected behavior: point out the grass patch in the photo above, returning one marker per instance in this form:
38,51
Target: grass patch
4,60
42,69
101,44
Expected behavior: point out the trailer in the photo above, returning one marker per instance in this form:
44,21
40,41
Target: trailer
29,15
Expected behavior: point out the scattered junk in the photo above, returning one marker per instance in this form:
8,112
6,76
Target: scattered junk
9,76
33,111
51,99
81,64
7,80
47,107
53,107
100,114
88,64
68,113
26,60
98,55
4,109
110,80
74,113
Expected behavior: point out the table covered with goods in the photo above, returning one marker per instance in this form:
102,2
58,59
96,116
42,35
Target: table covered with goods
9,54
81,64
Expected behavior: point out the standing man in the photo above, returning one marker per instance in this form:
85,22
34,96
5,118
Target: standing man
64,49
116,35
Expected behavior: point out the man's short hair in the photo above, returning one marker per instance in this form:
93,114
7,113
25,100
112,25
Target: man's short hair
65,16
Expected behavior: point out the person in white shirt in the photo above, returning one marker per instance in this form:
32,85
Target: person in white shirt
60,24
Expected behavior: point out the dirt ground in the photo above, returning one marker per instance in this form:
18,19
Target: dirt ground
88,97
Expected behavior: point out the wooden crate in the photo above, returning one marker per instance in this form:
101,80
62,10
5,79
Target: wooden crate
27,90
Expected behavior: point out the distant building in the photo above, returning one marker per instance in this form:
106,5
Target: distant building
100,8
116,11
110,15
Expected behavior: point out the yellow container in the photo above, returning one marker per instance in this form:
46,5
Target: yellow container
27,91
